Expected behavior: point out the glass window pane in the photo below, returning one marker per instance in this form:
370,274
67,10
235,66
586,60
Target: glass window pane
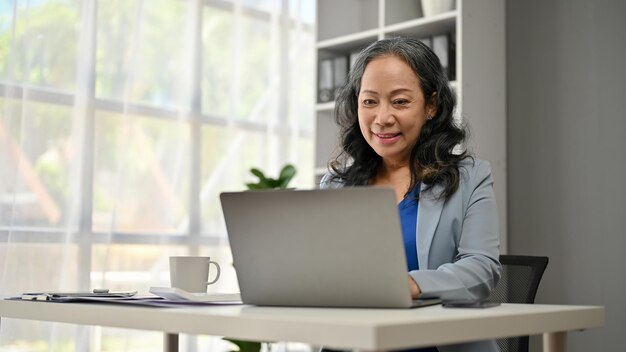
303,11
141,174
299,153
35,155
35,272
236,77
263,5
217,60
126,267
116,32
301,90
227,156
43,51
255,75
303,151
142,54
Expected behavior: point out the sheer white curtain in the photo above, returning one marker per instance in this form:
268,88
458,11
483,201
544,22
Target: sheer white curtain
120,123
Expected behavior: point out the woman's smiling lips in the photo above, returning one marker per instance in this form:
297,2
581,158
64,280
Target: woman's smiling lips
387,138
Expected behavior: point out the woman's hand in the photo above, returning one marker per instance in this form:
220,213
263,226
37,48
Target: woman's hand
415,290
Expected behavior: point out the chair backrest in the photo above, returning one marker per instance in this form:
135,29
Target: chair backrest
518,283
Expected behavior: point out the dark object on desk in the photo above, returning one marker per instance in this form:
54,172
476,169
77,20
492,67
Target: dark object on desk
469,304
520,279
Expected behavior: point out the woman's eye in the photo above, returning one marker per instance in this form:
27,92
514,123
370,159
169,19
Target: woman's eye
368,102
400,102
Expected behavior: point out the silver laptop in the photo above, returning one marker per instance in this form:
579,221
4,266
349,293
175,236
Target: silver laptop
321,248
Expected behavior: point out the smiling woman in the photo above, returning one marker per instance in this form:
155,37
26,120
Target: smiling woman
397,131
398,90
392,110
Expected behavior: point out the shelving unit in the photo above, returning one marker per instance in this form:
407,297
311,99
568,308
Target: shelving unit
477,29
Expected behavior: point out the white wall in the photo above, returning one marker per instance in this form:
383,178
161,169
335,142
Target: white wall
566,139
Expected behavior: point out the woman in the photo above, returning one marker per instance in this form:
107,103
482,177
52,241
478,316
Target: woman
397,130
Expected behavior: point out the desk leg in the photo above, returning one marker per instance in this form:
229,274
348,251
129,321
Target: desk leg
170,342
554,341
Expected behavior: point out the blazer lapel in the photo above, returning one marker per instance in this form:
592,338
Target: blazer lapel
428,214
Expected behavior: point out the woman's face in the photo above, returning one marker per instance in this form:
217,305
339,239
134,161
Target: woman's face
392,108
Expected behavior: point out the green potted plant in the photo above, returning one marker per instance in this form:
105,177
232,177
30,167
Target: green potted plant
245,346
286,175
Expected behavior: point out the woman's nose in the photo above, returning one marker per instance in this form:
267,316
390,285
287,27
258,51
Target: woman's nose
384,115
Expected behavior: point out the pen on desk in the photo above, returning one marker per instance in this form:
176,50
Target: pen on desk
35,297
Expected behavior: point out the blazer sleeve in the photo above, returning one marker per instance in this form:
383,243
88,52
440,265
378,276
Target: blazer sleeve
330,181
475,269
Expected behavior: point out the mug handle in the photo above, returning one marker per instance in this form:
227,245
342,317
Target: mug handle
217,276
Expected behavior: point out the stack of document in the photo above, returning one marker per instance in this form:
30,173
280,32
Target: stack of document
177,294
75,295
163,297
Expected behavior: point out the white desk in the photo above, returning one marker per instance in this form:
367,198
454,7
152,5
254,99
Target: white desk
366,329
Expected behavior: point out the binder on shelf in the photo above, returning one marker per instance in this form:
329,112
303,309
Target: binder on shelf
340,73
452,56
325,81
444,48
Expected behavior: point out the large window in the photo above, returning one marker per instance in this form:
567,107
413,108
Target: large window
121,121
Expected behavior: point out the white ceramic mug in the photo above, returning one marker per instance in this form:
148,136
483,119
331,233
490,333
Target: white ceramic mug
191,273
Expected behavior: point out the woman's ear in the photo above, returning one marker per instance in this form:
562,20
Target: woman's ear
431,105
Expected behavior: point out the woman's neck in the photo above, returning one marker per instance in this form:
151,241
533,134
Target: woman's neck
394,175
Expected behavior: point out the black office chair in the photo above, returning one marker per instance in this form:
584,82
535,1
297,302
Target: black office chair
520,279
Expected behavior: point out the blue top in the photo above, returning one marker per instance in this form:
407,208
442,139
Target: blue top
408,219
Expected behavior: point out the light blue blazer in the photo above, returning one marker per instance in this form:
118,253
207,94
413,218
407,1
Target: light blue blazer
457,241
